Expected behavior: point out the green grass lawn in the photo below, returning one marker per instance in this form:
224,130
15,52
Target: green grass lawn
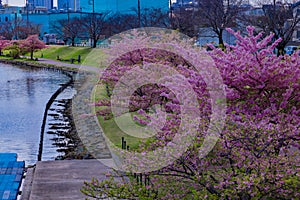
89,56
110,128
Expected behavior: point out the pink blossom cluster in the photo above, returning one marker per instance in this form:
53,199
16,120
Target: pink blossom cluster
257,154
30,44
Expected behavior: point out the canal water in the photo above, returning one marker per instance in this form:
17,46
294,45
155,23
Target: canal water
24,94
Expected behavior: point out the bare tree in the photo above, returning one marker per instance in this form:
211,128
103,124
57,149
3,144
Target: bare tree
154,17
26,29
121,22
214,14
277,18
185,20
218,15
149,17
7,30
68,29
96,26
18,29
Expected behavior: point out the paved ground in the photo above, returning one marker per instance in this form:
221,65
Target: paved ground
56,180
87,127
62,64
61,180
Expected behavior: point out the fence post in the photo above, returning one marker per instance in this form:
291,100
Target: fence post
123,143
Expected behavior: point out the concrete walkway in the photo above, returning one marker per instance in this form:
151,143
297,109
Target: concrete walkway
61,180
63,64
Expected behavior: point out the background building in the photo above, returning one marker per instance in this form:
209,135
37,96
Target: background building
68,4
40,3
122,6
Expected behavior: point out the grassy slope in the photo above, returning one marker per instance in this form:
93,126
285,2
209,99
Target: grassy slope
89,56
110,128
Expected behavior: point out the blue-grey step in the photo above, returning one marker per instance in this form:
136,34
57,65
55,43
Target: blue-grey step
11,173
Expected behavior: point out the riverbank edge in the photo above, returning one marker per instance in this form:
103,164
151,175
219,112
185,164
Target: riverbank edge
71,72
105,157
37,64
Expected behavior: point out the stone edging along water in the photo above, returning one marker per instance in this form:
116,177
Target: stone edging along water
80,153
36,64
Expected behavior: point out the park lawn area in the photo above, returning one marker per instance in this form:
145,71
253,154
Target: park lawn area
89,56
110,128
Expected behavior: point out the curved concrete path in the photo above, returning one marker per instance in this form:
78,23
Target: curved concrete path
62,180
63,64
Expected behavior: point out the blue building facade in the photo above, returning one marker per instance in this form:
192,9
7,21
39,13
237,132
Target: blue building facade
11,14
48,21
122,6
43,3
68,4
86,6
5,18
75,8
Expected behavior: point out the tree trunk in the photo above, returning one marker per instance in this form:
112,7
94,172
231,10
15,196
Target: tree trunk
220,37
280,52
31,55
95,43
73,42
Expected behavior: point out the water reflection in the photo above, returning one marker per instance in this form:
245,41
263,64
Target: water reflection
23,96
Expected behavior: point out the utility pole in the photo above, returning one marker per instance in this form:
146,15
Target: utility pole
139,13
93,21
16,28
171,14
27,14
68,12
93,6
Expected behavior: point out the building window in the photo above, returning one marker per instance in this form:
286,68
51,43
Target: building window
6,19
298,34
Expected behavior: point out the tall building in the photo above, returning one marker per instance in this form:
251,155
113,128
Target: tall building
43,3
123,6
68,4
185,2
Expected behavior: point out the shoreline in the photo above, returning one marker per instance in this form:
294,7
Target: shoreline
74,149
37,64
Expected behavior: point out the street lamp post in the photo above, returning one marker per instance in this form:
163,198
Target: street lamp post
27,14
68,12
16,32
171,13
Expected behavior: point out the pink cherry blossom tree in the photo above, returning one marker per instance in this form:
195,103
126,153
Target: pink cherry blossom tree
3,44
31,44
257,154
